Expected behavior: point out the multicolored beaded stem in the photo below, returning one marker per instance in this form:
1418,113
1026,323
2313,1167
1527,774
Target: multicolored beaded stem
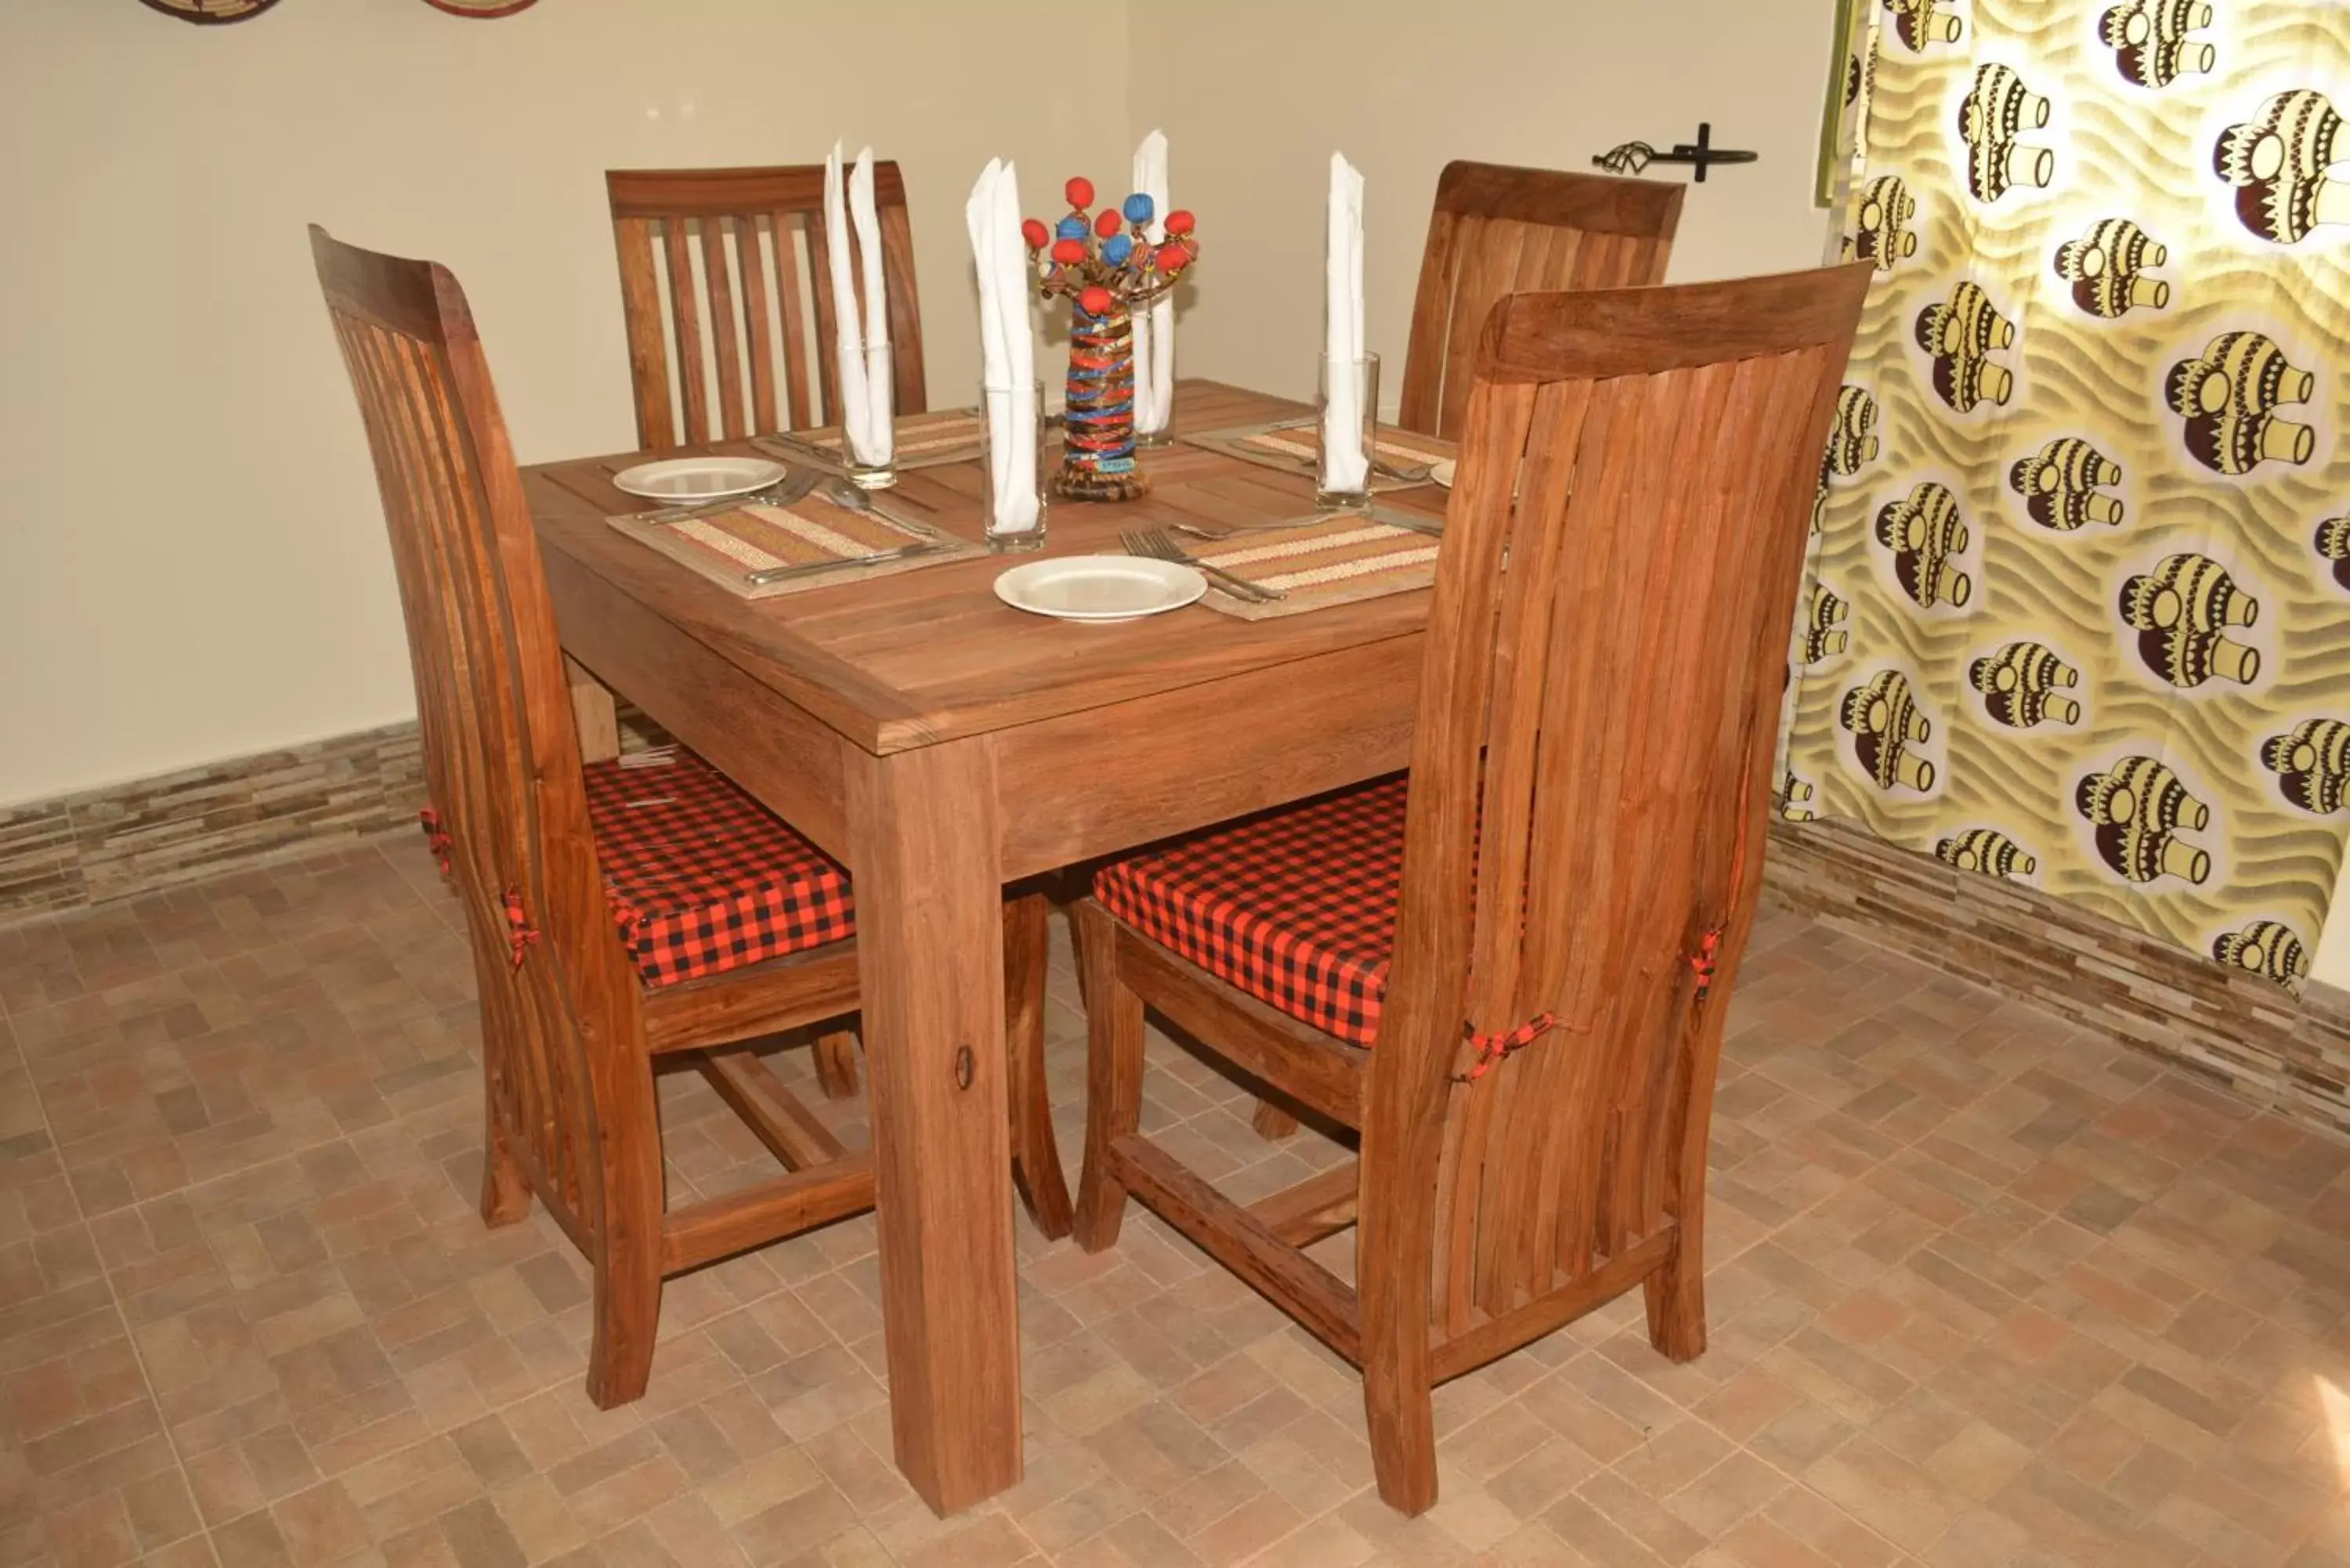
1107,267
1099,464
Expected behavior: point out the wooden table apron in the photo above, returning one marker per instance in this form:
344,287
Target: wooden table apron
941,745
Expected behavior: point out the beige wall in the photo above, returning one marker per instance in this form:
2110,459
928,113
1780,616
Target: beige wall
192,565
1255,95
192,562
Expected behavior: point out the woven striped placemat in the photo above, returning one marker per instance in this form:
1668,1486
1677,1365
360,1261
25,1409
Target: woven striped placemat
1333,559
922,441
727,541
1294,446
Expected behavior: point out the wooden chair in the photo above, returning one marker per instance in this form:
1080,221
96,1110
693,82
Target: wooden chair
1498,230
734,926
722,271
1508,969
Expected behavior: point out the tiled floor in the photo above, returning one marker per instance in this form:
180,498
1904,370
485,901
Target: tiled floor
1986,1290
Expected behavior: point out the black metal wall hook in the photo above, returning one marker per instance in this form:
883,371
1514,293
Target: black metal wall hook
1634,156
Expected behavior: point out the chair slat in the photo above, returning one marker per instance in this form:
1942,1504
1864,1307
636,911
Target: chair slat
1462,315
751,267
725,345
790,235
1604,260
905,325
1532,273
1432,323
685,328
826,348
648,352
1521,678
1484,277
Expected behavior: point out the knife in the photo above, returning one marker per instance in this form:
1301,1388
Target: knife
760,579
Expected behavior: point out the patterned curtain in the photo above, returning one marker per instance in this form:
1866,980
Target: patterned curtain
2081,607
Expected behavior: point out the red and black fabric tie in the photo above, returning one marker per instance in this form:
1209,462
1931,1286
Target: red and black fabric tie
520,932
1703,961
436,838
1491,1048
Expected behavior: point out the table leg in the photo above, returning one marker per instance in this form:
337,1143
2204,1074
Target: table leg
923,832
595,713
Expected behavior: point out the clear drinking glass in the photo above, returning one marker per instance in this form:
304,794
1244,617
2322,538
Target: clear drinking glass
879,372
1162,432
1349,400
1013,487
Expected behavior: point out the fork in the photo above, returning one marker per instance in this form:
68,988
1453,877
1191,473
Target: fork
791,488
1411,473
1157,545
783,493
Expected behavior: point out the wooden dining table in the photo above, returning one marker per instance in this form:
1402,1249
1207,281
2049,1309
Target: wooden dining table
941,745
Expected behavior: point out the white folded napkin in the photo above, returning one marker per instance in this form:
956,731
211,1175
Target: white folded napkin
867,404
1154,329
1346,466
1007,345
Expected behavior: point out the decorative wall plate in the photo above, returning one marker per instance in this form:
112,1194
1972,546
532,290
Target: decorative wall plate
212,10
481,7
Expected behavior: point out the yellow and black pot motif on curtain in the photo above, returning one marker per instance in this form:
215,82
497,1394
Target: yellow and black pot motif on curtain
2082,609
2282,163
2109,267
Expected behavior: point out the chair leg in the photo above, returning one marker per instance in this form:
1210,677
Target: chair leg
1113,1076
628,1319
1403,1442
1272,1123
1676,1299
835,1064
1036,1160
506,1185
625,1252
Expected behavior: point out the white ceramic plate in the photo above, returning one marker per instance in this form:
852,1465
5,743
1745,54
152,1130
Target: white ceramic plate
683,480
1100,587
1440,471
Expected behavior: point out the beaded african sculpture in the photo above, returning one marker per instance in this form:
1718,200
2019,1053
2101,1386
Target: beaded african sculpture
1107,267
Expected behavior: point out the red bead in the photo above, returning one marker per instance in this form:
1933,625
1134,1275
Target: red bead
1179,222
1079,191
1068,253
1108,224
1172,259
1038,235
1094,301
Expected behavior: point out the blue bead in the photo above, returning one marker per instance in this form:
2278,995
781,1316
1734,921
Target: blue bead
1139,208
1117,248
1073,227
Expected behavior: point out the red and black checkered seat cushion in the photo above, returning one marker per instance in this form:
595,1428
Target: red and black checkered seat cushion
1296,908
703,878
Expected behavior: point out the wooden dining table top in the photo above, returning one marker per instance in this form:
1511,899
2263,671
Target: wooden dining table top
916,658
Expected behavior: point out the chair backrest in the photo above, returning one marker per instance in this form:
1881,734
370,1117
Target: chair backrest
1498,230
723,281
502,758
1592,764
